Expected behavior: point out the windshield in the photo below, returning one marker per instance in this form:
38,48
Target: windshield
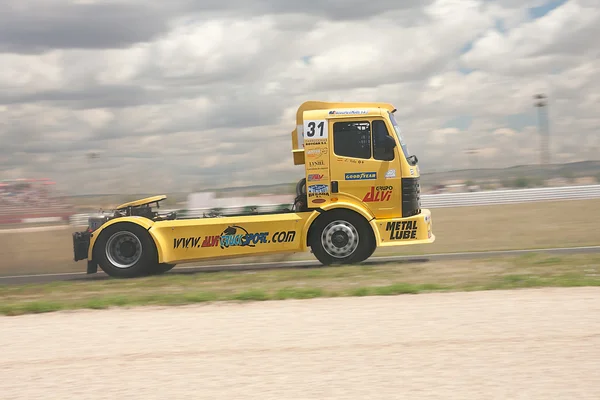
399,134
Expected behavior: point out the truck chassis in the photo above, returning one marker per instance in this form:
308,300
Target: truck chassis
137,241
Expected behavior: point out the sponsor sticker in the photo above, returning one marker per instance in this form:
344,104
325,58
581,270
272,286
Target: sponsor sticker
378,193
402,230
314,153
234,236
348,112
391,173
318,188
315,164
360,176
314,142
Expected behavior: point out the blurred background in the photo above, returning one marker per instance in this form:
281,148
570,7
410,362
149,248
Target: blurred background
106,102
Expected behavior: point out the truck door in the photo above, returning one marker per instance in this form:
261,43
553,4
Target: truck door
364,164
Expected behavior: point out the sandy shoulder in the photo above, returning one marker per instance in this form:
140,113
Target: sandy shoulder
525,344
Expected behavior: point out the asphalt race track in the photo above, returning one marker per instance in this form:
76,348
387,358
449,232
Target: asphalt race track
541,344
78,276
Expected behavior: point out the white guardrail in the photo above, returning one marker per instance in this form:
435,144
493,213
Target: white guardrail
468,199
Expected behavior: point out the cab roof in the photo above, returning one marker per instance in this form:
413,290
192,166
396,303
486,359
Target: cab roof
329,110
342,109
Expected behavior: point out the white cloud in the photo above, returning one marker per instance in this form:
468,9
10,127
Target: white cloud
505,132
31,73
558,40
188,98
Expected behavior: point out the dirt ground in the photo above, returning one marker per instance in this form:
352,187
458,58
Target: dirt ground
526,344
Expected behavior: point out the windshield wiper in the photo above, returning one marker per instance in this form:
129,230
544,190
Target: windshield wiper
413,160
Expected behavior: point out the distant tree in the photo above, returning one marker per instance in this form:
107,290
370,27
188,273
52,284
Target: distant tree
521,182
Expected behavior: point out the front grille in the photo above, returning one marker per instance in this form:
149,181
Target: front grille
411,197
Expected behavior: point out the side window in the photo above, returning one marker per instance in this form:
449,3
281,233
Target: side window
381,150
352,139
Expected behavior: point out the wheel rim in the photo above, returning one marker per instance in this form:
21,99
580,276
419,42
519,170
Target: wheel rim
123,249
339,239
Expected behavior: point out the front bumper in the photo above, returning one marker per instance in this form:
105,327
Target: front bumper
416,229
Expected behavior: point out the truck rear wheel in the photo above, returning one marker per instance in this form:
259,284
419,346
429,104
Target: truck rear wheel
342,237
126,250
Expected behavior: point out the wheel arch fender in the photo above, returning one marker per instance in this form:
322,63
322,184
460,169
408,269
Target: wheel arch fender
140,221
339,206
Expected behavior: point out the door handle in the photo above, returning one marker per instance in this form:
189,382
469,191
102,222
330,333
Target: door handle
334,186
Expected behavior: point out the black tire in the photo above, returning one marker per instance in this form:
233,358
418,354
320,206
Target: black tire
301,187
162,268
300,202
144,259
353,231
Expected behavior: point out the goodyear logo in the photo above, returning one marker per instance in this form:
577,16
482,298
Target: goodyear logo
360,176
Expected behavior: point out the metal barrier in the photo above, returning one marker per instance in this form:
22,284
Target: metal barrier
469,199
510,196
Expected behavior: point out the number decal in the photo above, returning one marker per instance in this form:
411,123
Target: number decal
316,129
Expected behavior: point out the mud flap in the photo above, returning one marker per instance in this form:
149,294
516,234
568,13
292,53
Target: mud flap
92,267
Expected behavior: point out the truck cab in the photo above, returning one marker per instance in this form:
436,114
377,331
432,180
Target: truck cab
355,156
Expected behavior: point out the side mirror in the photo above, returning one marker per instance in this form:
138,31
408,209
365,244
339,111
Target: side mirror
390,143
384,143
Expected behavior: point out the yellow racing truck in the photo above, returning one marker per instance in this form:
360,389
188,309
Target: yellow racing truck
360,191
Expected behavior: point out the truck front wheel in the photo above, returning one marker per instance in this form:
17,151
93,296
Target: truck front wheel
341,237
126,250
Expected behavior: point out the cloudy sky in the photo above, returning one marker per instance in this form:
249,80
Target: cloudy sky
184,94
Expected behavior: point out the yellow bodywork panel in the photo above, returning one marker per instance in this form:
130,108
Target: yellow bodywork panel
206,238
186,240
405,231
141,221
141,202
348,204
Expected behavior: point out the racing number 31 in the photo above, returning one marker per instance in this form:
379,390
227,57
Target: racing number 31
315,129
